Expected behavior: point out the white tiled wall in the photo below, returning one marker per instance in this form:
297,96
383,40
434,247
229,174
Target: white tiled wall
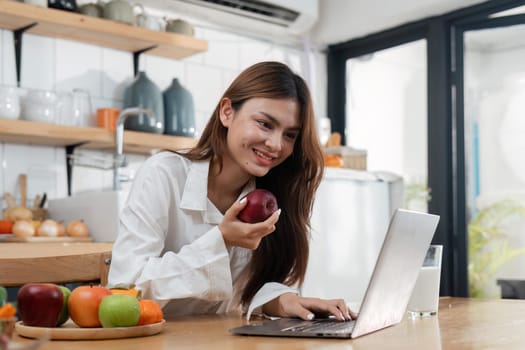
63,65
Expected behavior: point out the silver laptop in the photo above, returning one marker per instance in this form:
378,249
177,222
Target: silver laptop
384,304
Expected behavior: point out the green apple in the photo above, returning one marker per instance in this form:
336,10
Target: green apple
3,296
64,312
119,310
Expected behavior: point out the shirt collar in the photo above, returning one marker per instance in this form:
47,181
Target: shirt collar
195,194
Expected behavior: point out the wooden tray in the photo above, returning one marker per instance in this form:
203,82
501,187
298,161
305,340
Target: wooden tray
70,331
46,239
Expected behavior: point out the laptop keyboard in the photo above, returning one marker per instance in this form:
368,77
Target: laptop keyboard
322,326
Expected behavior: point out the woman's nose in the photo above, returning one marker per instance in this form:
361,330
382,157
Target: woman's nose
274,141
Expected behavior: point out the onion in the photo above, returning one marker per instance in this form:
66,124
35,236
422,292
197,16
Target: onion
61,228
48,228
23,228
77,228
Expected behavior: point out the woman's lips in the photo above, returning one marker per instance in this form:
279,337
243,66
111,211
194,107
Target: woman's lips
263,155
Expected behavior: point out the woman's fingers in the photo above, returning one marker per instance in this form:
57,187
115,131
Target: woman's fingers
236,208
292,305
267,226
335,307
237,233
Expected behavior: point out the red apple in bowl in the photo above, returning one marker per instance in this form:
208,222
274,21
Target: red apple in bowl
40,304
261,204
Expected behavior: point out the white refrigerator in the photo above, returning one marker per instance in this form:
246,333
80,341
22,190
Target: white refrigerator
351,213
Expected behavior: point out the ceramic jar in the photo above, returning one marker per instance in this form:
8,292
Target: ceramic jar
92,9
120,11
179,110
179,26
144,93
9,103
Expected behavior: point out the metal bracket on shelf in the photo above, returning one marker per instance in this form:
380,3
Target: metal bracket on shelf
136,56
70,149
18,48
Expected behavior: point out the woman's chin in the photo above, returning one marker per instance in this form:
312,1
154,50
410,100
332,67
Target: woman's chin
258,171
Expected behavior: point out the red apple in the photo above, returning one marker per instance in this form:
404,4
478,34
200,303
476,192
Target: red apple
40,304
261,204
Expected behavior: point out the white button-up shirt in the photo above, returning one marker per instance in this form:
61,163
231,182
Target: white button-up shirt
170,247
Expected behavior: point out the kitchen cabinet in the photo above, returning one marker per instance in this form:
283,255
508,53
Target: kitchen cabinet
22,131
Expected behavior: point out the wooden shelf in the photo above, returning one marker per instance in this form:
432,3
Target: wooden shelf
97,31
27,132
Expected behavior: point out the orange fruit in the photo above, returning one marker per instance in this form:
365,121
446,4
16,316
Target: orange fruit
8,310
6,226
150,312
333,160
132,291
83,305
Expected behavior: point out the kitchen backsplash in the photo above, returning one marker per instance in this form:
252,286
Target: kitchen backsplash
61,65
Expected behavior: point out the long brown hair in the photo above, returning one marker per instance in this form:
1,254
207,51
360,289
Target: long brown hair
283,255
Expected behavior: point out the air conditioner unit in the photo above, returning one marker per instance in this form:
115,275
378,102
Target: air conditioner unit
266,17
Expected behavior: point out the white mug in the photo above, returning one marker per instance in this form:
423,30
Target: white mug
155,23
142,19
41,3
149,22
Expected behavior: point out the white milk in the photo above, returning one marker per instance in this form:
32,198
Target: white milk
425,297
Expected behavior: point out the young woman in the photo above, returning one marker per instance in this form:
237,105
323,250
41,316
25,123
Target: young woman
180,241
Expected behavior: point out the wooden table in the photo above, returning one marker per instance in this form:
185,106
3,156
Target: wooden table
461,324
57,262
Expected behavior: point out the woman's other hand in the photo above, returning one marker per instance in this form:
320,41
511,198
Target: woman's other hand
240,234
292,305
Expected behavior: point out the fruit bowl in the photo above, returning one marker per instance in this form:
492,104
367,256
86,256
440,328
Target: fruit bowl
70,331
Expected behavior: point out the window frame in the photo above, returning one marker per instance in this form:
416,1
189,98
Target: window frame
445,134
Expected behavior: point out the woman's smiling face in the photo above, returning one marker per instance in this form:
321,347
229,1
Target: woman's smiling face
262,133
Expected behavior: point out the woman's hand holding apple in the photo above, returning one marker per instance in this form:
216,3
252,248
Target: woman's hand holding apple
237,232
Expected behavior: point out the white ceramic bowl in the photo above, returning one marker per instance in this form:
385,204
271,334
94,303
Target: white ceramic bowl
9,102
40,106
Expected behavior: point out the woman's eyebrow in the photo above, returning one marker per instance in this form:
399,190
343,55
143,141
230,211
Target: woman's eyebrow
276,122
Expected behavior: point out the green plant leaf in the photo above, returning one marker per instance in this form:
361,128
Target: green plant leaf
488,247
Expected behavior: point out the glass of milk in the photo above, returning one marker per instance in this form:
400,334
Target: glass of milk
424,301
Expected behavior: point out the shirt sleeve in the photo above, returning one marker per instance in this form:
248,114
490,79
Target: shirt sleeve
268,292
199,269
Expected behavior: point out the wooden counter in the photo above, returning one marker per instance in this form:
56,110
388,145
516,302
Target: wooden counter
22,263
461,324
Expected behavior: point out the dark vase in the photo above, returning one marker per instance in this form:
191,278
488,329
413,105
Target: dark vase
179,110
144,93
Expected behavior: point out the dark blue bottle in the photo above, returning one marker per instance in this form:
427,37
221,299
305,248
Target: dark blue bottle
179,110
144,93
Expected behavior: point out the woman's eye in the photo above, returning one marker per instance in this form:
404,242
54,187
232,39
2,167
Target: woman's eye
291,136
264,124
